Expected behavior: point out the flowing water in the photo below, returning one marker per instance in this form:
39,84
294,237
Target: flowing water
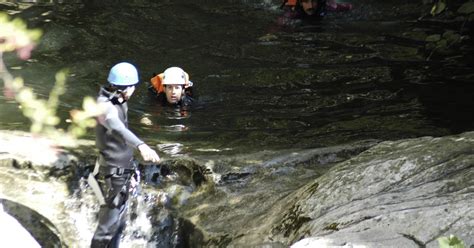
354,77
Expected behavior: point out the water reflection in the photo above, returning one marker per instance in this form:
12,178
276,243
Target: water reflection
171,149
313,86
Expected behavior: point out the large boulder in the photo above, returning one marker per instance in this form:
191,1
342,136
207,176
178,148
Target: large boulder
403,193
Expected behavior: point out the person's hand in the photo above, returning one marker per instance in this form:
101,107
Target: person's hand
148,154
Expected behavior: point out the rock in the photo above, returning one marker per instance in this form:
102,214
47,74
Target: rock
42,187
37,178
12,233
40,232
247,187
403,193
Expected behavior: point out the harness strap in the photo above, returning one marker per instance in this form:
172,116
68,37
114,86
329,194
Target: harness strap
92,181
110,171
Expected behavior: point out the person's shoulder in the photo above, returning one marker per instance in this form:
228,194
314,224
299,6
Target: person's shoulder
187,101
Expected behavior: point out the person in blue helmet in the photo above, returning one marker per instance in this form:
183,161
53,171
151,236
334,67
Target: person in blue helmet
116,143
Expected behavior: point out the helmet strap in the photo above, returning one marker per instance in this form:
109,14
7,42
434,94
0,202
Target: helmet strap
117,98
117,94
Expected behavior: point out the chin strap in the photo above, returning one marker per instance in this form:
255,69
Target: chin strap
117,98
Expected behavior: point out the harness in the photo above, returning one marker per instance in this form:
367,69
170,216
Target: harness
109,172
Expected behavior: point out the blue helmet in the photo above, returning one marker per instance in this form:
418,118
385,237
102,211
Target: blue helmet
123,74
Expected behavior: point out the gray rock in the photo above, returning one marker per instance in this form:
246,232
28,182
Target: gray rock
403,193
12,233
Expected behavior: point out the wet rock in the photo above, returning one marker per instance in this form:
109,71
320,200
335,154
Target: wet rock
12,232
183,171
247,187
404,193
35,181
26,227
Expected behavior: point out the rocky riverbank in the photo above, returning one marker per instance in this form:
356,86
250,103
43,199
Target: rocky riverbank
404,193
407,192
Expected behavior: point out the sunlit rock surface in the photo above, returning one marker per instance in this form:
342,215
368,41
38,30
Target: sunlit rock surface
37,188
42,187
404,193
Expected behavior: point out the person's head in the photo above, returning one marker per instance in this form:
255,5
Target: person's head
309,6
174,81
122,79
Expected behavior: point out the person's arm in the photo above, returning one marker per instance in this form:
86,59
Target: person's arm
112,122
147,153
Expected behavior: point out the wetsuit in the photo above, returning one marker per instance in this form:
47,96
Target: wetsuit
116,144
186,101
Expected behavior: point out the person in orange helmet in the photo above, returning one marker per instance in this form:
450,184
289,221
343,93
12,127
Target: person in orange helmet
172,87
309,9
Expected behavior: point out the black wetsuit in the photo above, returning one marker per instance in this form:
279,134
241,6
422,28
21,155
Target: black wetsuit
116,144
186,101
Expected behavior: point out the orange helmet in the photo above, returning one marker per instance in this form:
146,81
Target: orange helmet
291,2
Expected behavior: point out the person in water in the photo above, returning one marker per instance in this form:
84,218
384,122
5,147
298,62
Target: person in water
115,166
294,10
172,87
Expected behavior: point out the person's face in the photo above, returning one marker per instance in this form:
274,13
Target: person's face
173,93
309,6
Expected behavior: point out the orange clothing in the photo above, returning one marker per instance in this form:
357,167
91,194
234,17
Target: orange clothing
291,3
157,84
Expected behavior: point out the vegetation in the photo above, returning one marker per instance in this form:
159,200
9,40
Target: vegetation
450,242
16,37
463,13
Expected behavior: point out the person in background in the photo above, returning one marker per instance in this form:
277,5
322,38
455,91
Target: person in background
297,10
172,87
115,165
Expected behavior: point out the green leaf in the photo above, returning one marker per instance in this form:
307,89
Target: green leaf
438,7
451,242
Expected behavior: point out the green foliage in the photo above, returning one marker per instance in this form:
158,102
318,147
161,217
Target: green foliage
438,7
443,43
15,36
450,242
82,119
